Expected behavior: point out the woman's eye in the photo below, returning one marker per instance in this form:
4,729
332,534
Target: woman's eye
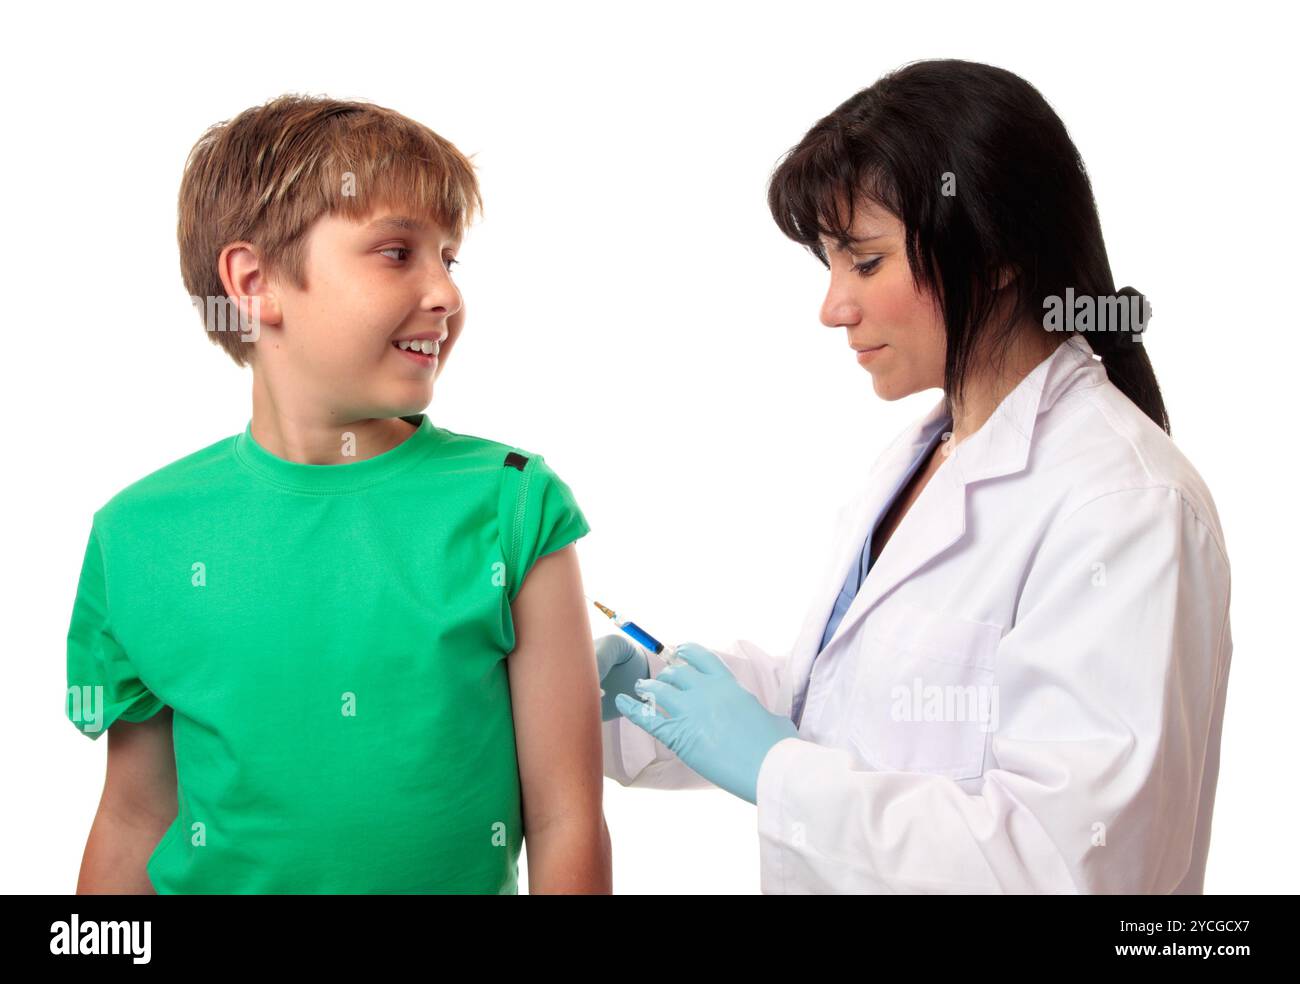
865,269
451,261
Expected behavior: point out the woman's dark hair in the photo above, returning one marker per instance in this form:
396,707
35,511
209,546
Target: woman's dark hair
1022,202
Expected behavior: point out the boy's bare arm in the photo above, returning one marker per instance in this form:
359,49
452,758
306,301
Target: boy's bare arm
136,808
555,697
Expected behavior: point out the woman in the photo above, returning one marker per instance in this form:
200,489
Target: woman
1026,692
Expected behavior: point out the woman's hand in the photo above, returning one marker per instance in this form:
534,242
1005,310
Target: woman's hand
714,725
620,664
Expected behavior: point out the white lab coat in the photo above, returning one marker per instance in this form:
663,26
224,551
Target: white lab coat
1064,567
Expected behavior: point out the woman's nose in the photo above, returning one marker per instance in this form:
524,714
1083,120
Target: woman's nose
839,310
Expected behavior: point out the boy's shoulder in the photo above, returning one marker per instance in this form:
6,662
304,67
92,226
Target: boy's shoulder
521,479
465,448
181,477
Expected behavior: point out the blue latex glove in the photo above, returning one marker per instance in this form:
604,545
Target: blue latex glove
620,663
709,720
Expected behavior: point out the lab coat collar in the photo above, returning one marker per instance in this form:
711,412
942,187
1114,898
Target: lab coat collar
1000,447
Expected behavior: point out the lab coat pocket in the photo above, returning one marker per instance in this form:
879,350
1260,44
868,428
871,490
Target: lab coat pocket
924,694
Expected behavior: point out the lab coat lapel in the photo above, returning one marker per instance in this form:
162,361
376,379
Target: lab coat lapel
856,520
999,448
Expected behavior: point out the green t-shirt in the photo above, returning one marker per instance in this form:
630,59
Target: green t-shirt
332,640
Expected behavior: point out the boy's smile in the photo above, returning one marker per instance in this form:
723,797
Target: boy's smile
423,349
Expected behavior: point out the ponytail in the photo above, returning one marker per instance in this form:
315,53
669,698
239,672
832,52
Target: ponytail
1129,366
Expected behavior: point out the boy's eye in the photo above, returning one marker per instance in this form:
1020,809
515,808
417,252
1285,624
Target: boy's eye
451,260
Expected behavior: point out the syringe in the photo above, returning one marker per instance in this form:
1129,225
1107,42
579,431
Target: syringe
667,653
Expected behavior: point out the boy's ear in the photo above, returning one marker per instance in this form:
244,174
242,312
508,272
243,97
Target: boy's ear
244,279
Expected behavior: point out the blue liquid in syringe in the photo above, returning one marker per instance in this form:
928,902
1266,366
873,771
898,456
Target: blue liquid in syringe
643,637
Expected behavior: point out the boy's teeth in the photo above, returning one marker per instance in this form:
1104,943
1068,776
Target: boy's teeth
427,346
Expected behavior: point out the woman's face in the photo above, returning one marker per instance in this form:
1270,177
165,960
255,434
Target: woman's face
896,332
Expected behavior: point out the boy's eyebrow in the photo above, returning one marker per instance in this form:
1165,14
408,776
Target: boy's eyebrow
402,223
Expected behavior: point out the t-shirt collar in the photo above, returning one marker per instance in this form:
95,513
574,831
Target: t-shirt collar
347,477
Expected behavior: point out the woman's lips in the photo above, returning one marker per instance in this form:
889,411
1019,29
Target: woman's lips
866,355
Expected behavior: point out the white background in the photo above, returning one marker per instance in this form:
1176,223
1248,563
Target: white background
636,317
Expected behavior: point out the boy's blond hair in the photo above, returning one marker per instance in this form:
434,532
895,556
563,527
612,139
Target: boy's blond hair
268,174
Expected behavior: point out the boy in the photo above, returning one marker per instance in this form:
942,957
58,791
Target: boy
333,643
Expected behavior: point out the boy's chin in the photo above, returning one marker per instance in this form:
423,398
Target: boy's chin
399,401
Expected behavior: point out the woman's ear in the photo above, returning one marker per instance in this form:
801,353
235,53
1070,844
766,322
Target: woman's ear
1006,275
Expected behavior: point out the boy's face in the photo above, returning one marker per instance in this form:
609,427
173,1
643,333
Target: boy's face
370,284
